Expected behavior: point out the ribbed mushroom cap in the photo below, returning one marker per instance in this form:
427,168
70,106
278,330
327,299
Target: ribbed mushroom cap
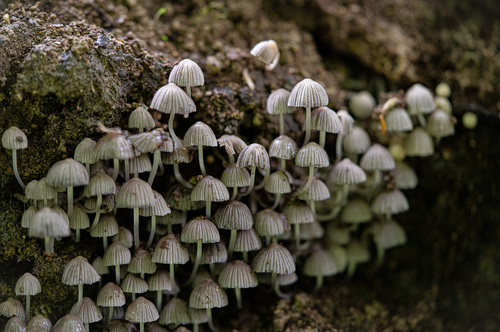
200,134
14,139
337,235
41,322
362,104
356,211
393,201
198,316
254,155
388,234
318,191
186,73
440,124
404,176
170,98
211,189
233,176
233,144
148,141
346,120
108,202
84,152
237,274
325,119
175,312
114,146
87,311
79,271
179,197
170,250
99,266
274,258
200,229
43,191
357,252
160,281
311,231
29,190
141,118
69,323
346,172
377,158
142,262
308,93
12,307
319,263
28,216
124,236
214,253
269,223
283,147
160,207
298,213
312,155
142,311
116,254
134,284
107,226
27,284
339,255
419,143
247,240
277,102
442,103
266,51
48,222
398,119
178,156
233,215
116,326
110,295
67,173
278,183
208,294
281,279
79,219
357,142
419,99
135,193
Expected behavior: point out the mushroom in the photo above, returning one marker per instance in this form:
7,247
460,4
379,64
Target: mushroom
79,272
142,311
319,264
277,103
15,139
110,296
200,135
159,282
210,189
28,285
87,312
49,223
208,295
186,73
237,275
116,254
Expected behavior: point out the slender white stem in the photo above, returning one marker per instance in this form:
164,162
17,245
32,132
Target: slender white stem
14,166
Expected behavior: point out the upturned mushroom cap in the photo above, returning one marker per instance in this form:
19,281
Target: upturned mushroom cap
200,229
49,222
67,173
233,144
69,323
254,155
357,142
393,201
298,213
312,155
148,141
87,311
135,193
141,118
211,189
283,147
84,152
107,226
160,281
347,172
175,312
200,134
362,104
142,262
319,263
377,158
233,215
170,98
40,321
419,99
142,311
318,191
419,143
308,93
404,176
28,284
208,294
237,274
274,258
12,307
325,119
186,73
110,295
247,240
134,284
356,211
233,176
114,146
388,234
116,254
278,183
398,119
14,139
269,223
160,207
277,102
79,271
440,124
170,250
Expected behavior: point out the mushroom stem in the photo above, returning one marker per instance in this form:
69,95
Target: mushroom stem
308,126
70,202
137,242
235,193
210,321
245,256
421,119
237,293
77,235
232,241
319,283
133,296
276,201
171,131
201,161
283,164
117,274
28,305
156,162
338,146
296,228
14,166
153,230
96,218
278,291
178,177
196,262
87,329
380,257
282,124
307,185
49,245
159,297
263,182
322,138
127,169
172,275
105,242
208,209
252,181
110,314
188,90
80,294
116,168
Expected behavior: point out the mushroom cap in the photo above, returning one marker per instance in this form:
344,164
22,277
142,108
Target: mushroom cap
43,191
278,183
140,164
237,274
443,104
443,89
49,222
28,216
172,99
14,139
198,316
12,307
404,176
116,254
362,104
142,262
233,144
298,213
274,258
30,188
254,155
325,119
116,326
339,255
347,172
269,223
178,156
419,143
440,124
357,142
208,294
347,122
311,231
99,266
84,152
28,284
247,240
41,322
148,141
79,271
107,226
308,93
200,229
377,158
419,99
107,204
114,146
179,197
110,295
186,73
142,311
233,215
160,207
79,219
175,312
266,51
281,279
134,284
283,147
214,253
233,176
210,189
398,119
392,201
87,311
200,134
67,173
160,280
388,234
69,323
124,236
15,324
135,193
318,191
319,263
312,155
277,102
356,211
141,118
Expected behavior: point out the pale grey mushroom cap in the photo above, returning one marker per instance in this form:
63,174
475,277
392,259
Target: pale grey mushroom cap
308,93
278,183
214,253
404,176
175,312
419,143
87,311
419,99
347,122
141,118
347,172
140,164
108,202
114,146
28,216
116,326
79,271
99,266
339,255
357,252
67,173
142,262
48,222
377,158
211,189
134,284
79,219
357,142
110,295
148,141
200,134
362,104
233,144
160,207
277,102
135,193
319,263
179,197
269,223
178,156
318,191
12,307
160,281
208,294
186,73
176,217
198,316
237,274
234,176
69,323
298,213
266,51
84,152
440,124
100,184
233,215
107,226
29,190
41,322
170,250
443,104
200,229
281,279
116,254
283,147
356,211
325,119
398,120
274,258
142,311
388,234
43,191
170,98
28,284
392,201
254,155
311,231
247,240
14,139
312,155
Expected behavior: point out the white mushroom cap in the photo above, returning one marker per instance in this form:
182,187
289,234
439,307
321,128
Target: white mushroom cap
69,323
233,144
28,284
134,284
318,191
200,229
84,152
14,138
170,250
79,271
356,211
210,188
419,99
419,143
325,119
319,263
312,155
208,294
237,274
393,201
247,240
388,234
67,173
277,102
398,119
141,118
142,311
278,183
233,176
283,147
274,258
87,311
41,322
233,215
12,307
200,134
308,93
254,155
347,172
269,223
170,98
362,104
113,146
110,295
266,51
214,253
298,213
48,222
175,312
135,193
186,73
142,262
377,157
160,281
357,142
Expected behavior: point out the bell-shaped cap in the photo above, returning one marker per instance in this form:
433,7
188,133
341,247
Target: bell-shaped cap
298,213
87,311
254,155
116,254
247,240
308,93
440,124
40,321
233,215
419,143
312,155
233,144
233,176
69,323
357,142
114,146
140,118
266,51
135,193
208,294
210,189
325,119
15,324
134,284
172,99
214,253
12,307
160,281
67,173
269,223
274,258
170,250
148,141
186,73
14,139
283,147
160,207
398,120
200,134
357,252
49,222
79,271
346,120
140,164
377,158
175,312
277,102
392,201
388,234
278,183
419,99
110,295
347,172
142,262
362,104
142,311
237,274
200,229
107,226
179,197
28,284
319,263
404,176
318,191
84,152
100,184
311,231
356,211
